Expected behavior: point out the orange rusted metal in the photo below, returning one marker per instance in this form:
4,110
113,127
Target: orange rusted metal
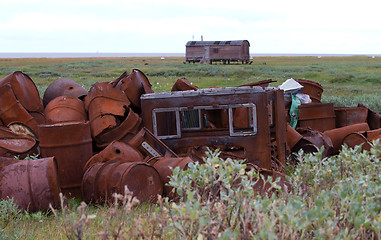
150,146
24,90
134,85
12,111
264,83
65,109
165,166
182,121
355,139
102,180
373,118
123,132
183,84
293,137
107,107
318,116
346,116
312,141
115,151
61,87
311,88
13,144
262,186
337,135
32,184
71,144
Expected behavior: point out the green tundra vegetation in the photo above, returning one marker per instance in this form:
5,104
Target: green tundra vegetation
346,80
331,198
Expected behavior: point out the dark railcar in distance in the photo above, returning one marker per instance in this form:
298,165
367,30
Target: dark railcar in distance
213,51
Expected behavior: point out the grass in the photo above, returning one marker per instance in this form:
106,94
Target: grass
313,210
341,77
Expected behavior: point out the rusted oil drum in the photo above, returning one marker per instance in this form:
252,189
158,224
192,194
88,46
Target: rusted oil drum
106,106
292,136
165,165
32,184
355,139
63,86
337,135
65,109
71,144
346,116
312,141
134,85
115,151
38,116
102,180
13,144
123,132
311,88
24,90
5,161
11,109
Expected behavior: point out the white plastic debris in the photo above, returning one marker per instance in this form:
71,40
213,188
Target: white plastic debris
290,84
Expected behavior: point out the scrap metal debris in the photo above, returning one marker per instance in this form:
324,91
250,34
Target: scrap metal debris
121,134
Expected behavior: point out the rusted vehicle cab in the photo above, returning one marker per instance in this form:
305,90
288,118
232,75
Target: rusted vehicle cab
240,120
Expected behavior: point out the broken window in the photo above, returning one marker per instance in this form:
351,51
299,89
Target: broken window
237,119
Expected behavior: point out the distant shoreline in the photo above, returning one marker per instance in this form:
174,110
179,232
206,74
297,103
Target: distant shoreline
100,55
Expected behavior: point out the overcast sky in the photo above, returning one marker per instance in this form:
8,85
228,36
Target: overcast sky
164,26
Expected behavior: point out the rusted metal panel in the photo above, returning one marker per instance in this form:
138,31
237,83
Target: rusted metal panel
373,119
71,144
61,87
150,146
102,180
12,111
318,116
337,135
180,120
24,90
346,116
65,109
32,184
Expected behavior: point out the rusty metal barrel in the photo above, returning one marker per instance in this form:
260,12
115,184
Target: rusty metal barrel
102,180
61,87
165,165
337,135
71,144
115,151
12,111
24,90
32,184
65,109
311,88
